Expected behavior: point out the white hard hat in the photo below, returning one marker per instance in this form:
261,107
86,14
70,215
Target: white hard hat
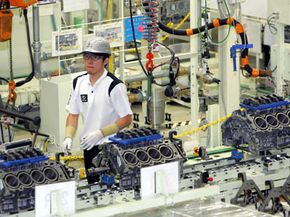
97,45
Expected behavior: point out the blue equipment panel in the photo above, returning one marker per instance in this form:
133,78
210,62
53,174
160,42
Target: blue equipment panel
138,27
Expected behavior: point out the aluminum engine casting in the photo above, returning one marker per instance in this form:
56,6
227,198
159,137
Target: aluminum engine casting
263,125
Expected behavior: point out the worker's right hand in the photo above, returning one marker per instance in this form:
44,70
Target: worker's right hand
66,145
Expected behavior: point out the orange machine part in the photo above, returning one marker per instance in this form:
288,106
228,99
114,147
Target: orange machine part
149,63
22,3
216,23
189,32
245,61
12,94
5,24
255,73
240,28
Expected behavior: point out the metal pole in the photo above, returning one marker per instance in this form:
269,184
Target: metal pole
278,59
194,66
122,52
36,42
229,88
198,14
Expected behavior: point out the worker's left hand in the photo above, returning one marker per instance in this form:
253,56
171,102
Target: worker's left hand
92,139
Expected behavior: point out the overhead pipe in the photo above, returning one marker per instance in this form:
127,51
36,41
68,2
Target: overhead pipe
159,74
36,42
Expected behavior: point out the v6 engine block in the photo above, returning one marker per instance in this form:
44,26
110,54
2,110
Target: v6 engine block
20,171
263,124
134,149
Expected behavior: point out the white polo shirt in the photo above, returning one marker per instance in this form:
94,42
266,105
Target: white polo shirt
97,108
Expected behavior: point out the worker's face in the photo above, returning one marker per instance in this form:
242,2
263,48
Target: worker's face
94,64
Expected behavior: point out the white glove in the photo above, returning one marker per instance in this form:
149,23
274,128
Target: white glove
91,140
66,145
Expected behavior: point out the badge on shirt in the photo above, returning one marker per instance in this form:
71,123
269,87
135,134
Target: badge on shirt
84,97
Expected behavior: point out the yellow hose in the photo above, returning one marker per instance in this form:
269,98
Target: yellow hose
69,158
177,27
203,127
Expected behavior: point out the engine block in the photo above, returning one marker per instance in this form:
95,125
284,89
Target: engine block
263,124
20,171
134,149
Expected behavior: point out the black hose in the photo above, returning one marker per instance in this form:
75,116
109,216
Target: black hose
178,67
194,31
31,75
171,31
25,11
17,126
2,133
36,121
134,37
221,22
4,79
171,61
9,133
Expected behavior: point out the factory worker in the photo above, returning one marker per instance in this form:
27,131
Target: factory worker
100,98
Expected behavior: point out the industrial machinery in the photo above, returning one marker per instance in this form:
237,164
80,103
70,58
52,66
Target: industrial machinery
22,3
157,14
5,35
261,181
173,11
253,170
263,125
132,150
12,117
23,167
5,22
242,178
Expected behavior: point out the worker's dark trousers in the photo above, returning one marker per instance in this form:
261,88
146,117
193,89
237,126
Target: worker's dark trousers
88,157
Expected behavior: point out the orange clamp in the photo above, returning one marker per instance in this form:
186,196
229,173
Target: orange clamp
239,28
189,32
216,23
244,61
149,63
255,73
12,94
230,20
